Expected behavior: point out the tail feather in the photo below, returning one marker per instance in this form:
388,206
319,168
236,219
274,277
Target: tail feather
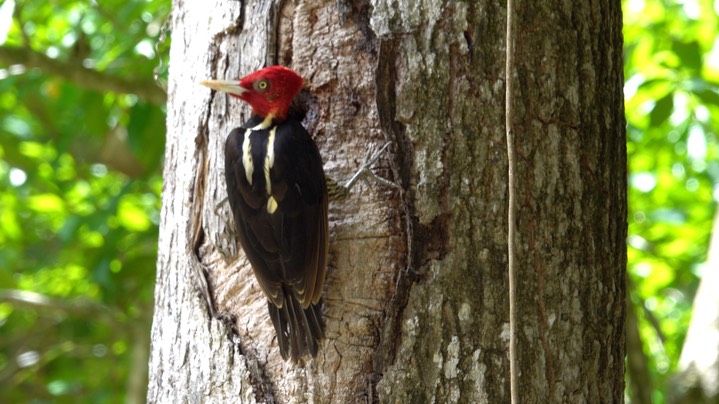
275,314
298,330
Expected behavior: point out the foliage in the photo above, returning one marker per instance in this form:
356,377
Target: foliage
672,107
79,207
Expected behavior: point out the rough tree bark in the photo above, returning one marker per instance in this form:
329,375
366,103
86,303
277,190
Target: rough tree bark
416,299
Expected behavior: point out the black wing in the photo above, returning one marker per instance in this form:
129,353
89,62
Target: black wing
288,247
247,202
301,194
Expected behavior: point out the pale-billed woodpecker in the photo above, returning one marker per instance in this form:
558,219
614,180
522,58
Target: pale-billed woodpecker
278,195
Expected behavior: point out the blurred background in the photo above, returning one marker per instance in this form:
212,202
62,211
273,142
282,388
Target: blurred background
82,130
82,135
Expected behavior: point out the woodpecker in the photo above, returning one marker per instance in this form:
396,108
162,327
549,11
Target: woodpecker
278,196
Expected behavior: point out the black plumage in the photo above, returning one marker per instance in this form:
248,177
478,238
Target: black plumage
282,228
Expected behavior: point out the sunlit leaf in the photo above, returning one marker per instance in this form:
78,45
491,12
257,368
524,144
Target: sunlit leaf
9,225
131,216
46,203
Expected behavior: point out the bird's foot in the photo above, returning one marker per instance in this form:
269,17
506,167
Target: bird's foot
220,204
364,172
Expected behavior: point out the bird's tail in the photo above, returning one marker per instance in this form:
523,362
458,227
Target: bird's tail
298,329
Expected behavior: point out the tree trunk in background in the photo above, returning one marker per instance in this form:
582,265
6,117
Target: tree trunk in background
416,299
698,378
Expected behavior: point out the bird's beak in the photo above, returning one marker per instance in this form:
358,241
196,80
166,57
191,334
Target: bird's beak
226,86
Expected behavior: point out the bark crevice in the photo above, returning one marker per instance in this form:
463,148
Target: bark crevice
401,166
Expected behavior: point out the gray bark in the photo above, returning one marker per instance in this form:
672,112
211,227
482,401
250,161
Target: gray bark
416,296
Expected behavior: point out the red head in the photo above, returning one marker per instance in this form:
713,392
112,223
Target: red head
268,91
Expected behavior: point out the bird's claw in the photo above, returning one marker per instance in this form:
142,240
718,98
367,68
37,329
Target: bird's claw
364,171
220,204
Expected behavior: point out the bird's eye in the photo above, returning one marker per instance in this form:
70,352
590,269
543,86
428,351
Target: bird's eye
262,85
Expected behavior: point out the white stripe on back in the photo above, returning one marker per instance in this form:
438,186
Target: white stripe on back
247,156
270,159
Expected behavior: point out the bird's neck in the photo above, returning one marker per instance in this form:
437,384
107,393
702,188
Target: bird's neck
266,122
257,122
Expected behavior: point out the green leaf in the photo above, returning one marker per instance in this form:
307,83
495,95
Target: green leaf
662,110
9,225
689,53
710,97
650,83
146,133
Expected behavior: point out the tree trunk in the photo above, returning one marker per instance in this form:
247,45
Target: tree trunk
698,378
416,299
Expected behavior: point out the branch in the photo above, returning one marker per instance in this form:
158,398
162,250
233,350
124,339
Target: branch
82,76
66,306
18,16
